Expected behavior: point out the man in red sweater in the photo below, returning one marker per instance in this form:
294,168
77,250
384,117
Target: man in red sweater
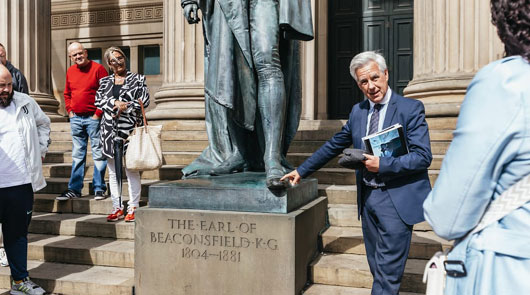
82,82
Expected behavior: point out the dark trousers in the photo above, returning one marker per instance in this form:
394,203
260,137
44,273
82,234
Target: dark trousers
387,241
16,207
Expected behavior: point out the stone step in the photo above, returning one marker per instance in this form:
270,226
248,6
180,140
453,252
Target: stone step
350,240
83,205
81,250
60,136
80,225
296,159
338,194
337,176
436,123
441,135
344,176
63,145
345,215
301,135
75,279
64,170
321,130
309,146
442,123
60,127
58,176
351,270
57,185
318,289
184,146
64,157
179,125
170,158
199,125
166,172
180,158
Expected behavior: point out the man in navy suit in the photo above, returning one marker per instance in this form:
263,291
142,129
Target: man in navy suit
390,190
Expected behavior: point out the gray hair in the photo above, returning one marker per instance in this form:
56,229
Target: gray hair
75,44
108,54
363,58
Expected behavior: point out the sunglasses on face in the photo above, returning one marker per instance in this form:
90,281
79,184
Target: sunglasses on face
117,60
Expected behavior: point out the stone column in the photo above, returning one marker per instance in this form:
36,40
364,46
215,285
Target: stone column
453,39
25,31
181,95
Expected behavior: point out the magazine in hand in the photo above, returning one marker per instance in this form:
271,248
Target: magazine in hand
389,142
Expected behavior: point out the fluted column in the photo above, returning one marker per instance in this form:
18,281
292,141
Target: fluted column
181,95
25,31
453,39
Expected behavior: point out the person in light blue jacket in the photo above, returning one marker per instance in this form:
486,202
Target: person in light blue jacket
490,152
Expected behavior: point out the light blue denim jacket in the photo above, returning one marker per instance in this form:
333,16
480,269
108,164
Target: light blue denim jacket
489,153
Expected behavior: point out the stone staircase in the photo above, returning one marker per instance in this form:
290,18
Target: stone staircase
73,250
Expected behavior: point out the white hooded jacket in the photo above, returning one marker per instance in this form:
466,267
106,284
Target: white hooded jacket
34,129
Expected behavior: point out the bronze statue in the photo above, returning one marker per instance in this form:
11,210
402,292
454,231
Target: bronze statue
252,83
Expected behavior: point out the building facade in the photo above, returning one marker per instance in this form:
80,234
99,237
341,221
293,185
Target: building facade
433,49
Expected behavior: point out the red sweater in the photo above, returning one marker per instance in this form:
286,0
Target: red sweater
81,86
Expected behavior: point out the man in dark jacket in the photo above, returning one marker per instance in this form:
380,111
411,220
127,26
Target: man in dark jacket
19,81
390,189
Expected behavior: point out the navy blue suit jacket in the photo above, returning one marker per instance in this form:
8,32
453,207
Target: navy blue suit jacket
406,177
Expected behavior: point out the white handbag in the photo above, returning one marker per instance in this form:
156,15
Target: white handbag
436,272
144,151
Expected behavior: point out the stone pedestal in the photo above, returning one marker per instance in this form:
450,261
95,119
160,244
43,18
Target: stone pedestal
214,252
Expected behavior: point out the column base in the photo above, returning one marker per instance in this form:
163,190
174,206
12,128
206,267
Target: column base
442,96
178,101
49,106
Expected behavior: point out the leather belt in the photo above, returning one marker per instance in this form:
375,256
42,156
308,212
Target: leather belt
89,114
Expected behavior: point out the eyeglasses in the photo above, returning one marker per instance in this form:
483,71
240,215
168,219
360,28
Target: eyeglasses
117,60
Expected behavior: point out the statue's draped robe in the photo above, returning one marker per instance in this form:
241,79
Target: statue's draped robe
233,121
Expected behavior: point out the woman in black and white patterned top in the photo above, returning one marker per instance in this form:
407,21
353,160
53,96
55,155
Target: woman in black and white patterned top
118,96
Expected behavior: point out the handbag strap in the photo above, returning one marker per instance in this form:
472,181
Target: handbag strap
514,197
143,111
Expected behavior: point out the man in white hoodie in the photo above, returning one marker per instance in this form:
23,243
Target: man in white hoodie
24,139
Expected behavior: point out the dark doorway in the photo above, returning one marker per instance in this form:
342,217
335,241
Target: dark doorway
359,25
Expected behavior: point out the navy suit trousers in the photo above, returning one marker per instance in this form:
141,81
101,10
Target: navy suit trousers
387,241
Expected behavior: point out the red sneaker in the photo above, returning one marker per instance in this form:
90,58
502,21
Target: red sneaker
116,215
130,214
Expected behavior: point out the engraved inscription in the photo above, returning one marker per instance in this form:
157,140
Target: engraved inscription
218,240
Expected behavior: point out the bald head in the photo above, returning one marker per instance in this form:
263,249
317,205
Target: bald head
6,87
78,54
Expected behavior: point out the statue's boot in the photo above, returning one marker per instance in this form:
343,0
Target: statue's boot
272,106
234,164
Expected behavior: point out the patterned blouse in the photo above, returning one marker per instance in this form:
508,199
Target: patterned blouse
134,88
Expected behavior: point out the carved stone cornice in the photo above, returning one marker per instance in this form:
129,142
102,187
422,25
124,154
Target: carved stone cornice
106,16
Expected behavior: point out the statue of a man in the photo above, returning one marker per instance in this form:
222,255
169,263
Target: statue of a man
252,83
